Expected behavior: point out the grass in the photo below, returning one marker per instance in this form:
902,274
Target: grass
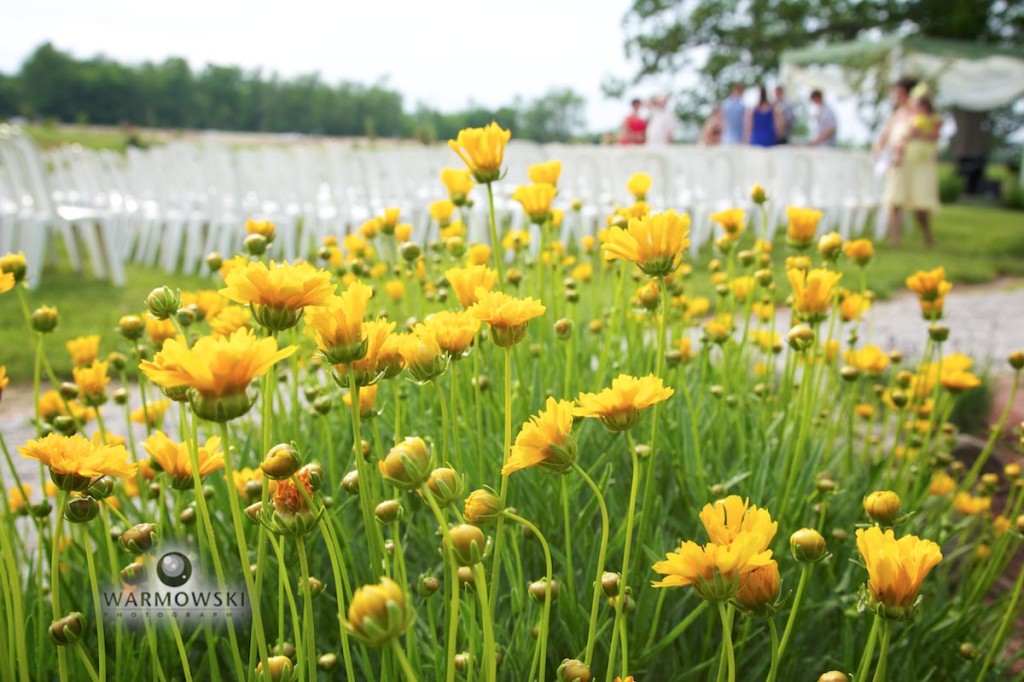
976,244
91,137
86,306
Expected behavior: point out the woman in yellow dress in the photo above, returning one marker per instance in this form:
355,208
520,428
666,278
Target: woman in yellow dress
911,136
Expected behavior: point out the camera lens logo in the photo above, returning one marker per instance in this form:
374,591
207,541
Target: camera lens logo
174,569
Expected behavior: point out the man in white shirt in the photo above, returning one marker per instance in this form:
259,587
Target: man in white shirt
825,122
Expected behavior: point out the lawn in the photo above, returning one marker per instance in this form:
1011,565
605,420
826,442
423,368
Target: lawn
976,244
92,137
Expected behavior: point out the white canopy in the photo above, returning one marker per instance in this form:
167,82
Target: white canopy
966,75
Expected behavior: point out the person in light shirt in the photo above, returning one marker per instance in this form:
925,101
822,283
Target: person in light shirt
734,113
824,122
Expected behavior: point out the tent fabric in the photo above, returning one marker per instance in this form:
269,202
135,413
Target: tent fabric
967,75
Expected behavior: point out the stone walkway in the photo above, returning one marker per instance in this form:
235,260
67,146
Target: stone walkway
986,322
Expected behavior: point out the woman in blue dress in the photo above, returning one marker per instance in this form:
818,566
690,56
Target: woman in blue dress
763,122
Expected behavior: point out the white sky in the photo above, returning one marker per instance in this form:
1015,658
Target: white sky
441,52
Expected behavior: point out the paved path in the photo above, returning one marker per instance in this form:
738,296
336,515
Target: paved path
986,322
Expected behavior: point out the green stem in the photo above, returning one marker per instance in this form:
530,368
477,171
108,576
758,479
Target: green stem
602,552
805,574
869,650
545,619
624,582
1004,625
101,643
243,548
883,655
727,649
365,487
499,533
403,662
453,608
499,255
62,657
307,609
490,651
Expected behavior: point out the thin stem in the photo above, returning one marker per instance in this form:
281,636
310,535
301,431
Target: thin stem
791,621
243,548
499,532
883,654
499,255
602,552
624,582
403,662
307,609
490,651
997,643
869,650
545,619
101,640
62,657
730,655
453,608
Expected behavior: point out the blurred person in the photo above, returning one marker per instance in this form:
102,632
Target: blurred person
733,112
634,127
661,124
711,132
762,123
786,115
908,146
824,122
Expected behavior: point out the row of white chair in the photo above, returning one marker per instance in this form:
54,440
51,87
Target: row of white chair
172,204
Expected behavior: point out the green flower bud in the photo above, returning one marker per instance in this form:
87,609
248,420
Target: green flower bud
808,545
281,462
469,544
81,510
163,302
44,319
67,630
140,538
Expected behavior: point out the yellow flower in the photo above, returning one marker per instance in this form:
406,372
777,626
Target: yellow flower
507,316
619,407
758,194
160,330
175,460
725,519
732,221
369,230
389,221
716,571
367,401
454,229
382,358
459,183
545,173
264,228
639,184
865,411
545,441
654,243
478,254
92,382
582,272
14,264
741,287
968,504
337,326
536,200
422,354
6,282
395,289
247,475
466,281
764,311
207,302
803,224
403,231
766,340
74,460
218,370
278,292
515,239
84,349
929,285
228,320
853,305
51,405
17,498
813,292
455,331
870,359
860,251
152,414
896,568
378,613
760,590
442,211
483,150
4,380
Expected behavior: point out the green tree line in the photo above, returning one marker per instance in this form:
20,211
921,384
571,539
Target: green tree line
53,84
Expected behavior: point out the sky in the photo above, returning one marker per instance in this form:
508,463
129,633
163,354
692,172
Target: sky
443,53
